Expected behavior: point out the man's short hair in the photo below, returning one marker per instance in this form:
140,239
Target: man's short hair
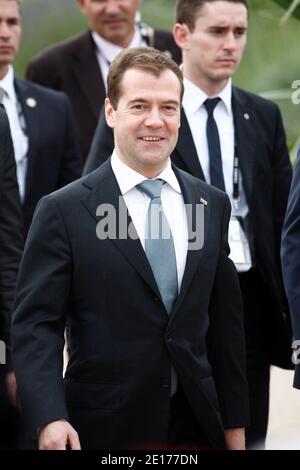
146,59
187,11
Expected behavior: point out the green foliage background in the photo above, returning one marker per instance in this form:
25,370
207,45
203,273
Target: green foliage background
270,64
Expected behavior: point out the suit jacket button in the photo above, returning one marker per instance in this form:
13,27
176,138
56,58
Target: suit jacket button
156,299
169,339
165,383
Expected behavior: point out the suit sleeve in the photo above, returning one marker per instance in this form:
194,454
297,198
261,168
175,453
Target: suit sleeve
290,257
11,230
39,317
282,176
102,145
72,162
42,70
226,340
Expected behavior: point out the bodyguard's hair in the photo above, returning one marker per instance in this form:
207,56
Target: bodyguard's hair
146,59
187,11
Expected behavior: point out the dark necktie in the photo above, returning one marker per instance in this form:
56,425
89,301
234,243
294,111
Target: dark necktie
214,148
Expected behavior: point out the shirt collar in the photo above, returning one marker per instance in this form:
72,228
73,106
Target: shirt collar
7,83
194,97
109,50
128,178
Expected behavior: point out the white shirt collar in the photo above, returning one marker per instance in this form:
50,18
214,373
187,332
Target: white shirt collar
128,178
109,50
7,83
194,97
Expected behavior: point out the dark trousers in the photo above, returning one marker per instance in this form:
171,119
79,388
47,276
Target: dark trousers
184,429
255,298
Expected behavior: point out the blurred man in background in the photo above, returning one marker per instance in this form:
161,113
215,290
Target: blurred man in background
11,243
79,65
46,152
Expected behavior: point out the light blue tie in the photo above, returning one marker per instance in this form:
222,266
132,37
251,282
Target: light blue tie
160,251
159,245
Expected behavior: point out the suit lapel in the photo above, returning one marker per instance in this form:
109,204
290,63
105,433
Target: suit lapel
245,135
105,190
85,66
30,109
187,150
192,198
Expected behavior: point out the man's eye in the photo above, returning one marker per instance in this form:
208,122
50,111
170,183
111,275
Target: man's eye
218,31
170,109
138,107
239,32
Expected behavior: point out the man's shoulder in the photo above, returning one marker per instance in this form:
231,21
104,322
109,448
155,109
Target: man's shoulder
75,191
64,48
200,186
164,41
253,99
39,91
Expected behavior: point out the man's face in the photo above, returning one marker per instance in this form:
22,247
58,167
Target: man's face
214,49
112,19
10,31
146,120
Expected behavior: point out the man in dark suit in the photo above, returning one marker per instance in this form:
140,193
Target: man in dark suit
290,261
79,65
212,36
11,243
156,345
46,152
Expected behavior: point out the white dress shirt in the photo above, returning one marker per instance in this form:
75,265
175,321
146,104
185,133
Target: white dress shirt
106,51
193,104
138,202
19,138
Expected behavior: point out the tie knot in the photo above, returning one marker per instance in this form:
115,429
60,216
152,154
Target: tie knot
210,104
152,188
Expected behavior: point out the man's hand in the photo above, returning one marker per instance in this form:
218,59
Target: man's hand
235,438
11,386
57,435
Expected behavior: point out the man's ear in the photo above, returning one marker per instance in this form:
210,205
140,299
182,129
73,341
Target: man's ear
181,35
81,4
109,113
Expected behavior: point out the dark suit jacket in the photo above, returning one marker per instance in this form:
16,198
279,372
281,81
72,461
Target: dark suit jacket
11,227
116,392
290,258
54,158
11,245
72,67
266,172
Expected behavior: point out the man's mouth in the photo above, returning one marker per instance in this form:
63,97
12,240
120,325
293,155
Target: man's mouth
151,139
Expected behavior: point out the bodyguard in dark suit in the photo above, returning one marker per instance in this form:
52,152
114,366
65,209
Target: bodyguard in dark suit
11,243
290,261
250,129
46,152
79,65
156,346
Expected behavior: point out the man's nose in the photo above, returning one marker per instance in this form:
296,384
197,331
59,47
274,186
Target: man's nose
154,119
4,30
230,42
112,7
